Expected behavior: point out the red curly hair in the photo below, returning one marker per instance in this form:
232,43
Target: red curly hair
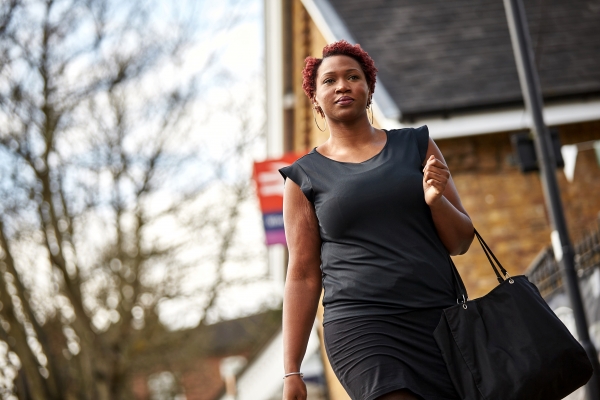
343,48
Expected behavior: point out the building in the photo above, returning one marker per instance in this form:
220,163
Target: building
449,64
200,363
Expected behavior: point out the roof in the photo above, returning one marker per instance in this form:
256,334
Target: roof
238,336
442,56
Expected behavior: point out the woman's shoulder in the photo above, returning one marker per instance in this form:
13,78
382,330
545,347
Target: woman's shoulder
311,161
402,136
410,136
299,166
304,161
297,173
408,131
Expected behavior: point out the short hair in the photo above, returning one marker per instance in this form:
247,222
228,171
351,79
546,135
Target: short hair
339,48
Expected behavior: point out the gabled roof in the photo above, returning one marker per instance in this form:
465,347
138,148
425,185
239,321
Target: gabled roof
245,336
442,56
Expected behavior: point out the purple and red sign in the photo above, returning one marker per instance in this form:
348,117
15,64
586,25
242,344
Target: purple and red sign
269,187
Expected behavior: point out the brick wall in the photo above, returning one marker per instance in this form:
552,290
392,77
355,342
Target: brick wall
507,206
199,380
203,381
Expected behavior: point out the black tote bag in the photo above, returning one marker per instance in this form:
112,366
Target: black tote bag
509,344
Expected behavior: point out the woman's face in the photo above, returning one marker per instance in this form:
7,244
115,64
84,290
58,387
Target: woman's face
342,91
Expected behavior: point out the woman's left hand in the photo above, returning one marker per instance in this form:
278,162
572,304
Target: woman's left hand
435,179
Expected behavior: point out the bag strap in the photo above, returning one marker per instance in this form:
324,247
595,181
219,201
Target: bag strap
490,255
459,285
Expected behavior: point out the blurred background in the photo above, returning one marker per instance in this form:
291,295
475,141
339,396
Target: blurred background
142,253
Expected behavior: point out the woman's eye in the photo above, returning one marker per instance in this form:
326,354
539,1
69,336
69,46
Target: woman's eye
328,80
353,77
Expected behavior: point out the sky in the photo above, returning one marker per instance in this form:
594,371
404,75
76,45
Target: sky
241,51
236,78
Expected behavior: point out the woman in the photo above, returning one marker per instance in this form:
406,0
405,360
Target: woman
371,217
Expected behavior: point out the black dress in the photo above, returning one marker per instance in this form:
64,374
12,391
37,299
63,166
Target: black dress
386,274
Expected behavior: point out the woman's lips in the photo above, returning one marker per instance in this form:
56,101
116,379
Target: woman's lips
344,101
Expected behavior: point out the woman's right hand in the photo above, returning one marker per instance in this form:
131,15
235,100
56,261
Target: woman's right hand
294,388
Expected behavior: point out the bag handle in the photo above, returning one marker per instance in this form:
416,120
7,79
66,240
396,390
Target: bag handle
488,252
459,285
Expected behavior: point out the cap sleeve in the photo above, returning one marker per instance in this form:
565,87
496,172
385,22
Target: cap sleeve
422,136
297,174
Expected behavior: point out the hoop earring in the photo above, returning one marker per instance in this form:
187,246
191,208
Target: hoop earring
371,109
315,118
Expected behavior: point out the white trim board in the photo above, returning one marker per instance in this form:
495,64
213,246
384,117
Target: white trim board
478,123
274,76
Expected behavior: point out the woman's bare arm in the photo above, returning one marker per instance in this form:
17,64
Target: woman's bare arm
451,220
303,283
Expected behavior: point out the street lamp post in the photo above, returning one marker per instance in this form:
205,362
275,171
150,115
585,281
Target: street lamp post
563,249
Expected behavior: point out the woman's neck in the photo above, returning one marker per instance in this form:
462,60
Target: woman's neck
353,142
355,133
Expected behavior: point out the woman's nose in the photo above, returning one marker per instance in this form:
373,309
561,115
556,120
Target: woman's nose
342,87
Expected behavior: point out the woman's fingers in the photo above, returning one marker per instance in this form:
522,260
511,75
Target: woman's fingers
435,178
437,175
438,186
435,164
436,171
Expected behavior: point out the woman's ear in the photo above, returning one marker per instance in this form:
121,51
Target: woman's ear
318,108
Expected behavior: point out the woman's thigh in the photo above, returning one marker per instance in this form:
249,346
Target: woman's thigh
369,353
398,395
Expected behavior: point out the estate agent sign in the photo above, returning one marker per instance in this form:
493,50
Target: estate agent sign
269,188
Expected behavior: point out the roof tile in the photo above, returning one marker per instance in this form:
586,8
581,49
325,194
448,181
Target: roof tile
446,55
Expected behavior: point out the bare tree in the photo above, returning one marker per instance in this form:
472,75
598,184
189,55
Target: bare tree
104,196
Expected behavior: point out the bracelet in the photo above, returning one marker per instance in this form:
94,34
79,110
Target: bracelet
294,373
